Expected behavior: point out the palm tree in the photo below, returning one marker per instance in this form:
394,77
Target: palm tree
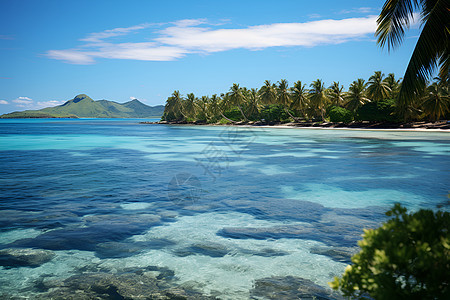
300,99
284,97
432,48
318,97
356,96
377,88
393,84
336,94
237,98
253,102
189,106
268,93
436,101
214,106
173,108
202,108
224,105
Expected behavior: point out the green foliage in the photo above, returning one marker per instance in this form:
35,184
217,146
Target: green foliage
380,111
432,48
357,95
378,88
233,114
35,114
340,114
273,113
436,100
279,103
224,121
408,257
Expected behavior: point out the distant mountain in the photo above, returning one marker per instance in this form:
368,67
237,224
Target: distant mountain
82,106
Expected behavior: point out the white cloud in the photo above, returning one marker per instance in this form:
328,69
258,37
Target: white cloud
50,103
71,56
307,34
314,16
139,51
23,100
182,37
189,22
362,10
99,36
3,102
28,103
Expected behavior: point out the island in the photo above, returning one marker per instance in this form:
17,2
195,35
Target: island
82,106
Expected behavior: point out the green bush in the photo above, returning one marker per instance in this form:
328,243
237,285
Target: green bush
233,114
408,257
171,117
379,111
273,113
339,114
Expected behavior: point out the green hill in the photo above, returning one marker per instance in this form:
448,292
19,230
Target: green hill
82,106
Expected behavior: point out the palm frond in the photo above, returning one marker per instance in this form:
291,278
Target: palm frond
432,44
394,17
444,62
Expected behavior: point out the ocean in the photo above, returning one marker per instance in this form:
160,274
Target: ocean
114,208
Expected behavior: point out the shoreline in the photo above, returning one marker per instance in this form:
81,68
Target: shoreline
443,126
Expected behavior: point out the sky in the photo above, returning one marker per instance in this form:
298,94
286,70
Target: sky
52,50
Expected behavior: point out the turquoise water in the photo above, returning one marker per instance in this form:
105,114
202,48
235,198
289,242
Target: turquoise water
218,208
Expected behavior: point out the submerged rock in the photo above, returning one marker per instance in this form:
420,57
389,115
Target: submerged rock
340,254
129,248
280,209
140,284
100,229
335,227
262,233
266,252
38,220
290,287
13,258
208,249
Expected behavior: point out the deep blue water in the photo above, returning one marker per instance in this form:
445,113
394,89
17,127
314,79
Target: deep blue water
220,207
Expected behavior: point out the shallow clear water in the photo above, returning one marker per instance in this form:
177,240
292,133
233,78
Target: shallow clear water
220,207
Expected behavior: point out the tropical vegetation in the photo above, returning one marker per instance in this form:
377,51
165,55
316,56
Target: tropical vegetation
432,49
408,257
374,100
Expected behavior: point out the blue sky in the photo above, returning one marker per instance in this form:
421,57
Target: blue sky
51,51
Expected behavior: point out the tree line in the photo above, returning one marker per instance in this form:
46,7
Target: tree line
372,100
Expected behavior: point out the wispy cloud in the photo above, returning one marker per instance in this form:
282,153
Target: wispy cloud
27,102
309,34
314,16
184,37
72,56
23,100
100,36
361,10
3,102
50,103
